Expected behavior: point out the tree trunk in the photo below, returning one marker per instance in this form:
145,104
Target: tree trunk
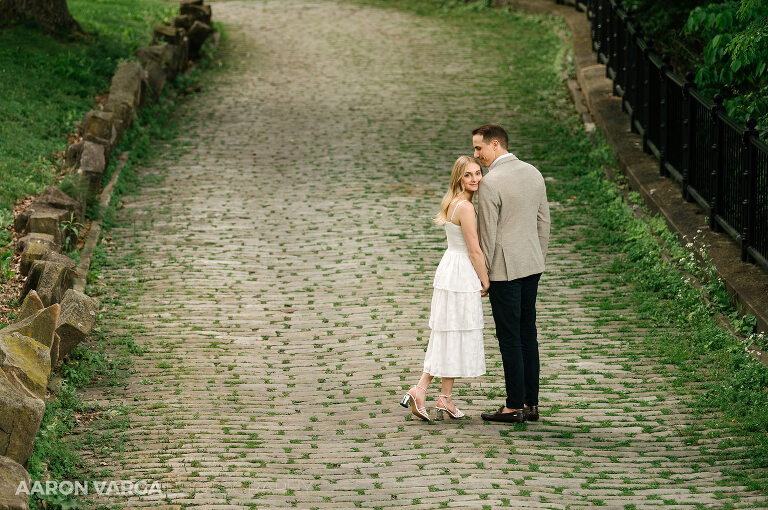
52,15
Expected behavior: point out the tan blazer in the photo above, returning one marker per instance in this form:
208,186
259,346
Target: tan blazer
513,220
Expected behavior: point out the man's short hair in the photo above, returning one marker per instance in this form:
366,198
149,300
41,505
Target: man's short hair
492,132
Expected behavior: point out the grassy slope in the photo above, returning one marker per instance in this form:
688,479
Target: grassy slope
47,84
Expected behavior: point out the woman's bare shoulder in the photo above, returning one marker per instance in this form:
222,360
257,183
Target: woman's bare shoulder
466,206
465,211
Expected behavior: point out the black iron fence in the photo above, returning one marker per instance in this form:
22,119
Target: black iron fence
720,164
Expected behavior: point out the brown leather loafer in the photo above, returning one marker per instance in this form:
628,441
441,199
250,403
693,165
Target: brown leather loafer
531,413
513,417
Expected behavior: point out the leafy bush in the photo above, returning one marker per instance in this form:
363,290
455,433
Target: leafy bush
6,255
735,56
724,43
663,21
6,218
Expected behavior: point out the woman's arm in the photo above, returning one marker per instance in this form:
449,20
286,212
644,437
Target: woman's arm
466,216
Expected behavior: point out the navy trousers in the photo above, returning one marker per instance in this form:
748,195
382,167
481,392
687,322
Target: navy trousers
514,311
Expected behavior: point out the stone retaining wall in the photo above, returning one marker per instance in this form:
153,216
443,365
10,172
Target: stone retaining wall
54,318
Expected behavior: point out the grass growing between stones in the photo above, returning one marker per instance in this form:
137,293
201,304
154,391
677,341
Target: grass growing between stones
106,358
47,84
723,384
677,298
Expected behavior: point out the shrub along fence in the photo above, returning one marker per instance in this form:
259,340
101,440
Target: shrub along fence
720,164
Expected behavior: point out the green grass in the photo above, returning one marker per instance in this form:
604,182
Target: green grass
48,84
672,290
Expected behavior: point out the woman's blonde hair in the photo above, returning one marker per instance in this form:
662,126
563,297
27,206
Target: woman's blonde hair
455,187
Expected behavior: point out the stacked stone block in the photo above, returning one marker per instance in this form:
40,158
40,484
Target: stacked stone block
174,46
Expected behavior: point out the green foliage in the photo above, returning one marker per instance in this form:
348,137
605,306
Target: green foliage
70,230
663,20
51,456
55,455
466,5
724,43
48,84
661,274
6,218
6,255
735,56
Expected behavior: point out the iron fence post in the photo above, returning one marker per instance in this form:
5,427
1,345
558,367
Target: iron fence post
622,52
613,59
633,73
716,155
597,29
664,117
689,134
645,102
610,21
748,189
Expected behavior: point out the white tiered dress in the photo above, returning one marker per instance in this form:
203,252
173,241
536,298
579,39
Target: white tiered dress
455,346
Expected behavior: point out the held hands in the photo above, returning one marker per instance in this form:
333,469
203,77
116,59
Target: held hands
486,285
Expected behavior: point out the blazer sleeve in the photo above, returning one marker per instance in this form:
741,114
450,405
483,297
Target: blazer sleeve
543,222
488,204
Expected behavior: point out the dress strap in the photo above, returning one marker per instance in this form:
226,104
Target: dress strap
454,209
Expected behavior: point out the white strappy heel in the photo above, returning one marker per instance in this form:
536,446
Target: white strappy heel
419,412
440,409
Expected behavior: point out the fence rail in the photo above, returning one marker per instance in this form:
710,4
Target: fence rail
720,164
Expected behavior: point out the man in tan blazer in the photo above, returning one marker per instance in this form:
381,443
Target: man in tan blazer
513,224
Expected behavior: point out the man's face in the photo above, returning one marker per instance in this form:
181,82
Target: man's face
483,151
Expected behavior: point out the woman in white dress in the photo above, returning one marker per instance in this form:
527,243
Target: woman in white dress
456,318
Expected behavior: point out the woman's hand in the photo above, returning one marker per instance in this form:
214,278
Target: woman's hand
486,285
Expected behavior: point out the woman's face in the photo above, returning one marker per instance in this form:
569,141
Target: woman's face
472,177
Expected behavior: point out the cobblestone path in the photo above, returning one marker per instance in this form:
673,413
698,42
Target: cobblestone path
289,256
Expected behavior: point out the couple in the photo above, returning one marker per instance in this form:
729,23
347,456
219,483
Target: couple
500,253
